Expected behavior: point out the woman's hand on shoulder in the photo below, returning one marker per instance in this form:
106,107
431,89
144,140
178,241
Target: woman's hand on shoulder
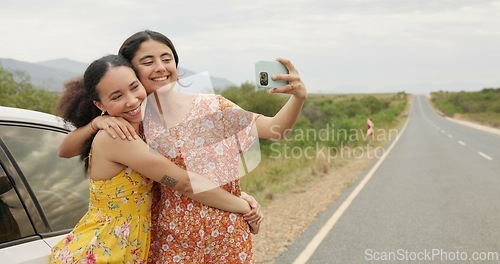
115,126
295,85
131,153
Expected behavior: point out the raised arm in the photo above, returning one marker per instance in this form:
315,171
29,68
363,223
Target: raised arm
72,143
138,156
276,127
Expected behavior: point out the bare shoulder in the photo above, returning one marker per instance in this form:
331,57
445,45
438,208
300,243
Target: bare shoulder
119,150
102,138
105,141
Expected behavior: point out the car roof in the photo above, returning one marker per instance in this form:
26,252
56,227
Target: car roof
18,115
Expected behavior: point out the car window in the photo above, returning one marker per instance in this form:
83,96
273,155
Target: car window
14,223
59,184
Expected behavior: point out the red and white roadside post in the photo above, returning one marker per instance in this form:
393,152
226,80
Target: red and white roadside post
369,128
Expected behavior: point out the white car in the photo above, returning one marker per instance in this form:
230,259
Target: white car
42,196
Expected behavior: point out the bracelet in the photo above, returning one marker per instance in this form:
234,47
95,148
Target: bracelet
92,126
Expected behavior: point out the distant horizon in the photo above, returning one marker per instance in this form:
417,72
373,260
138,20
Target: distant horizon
343,89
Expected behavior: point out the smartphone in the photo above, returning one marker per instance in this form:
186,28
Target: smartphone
264,70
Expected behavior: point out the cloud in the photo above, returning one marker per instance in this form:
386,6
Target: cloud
334,44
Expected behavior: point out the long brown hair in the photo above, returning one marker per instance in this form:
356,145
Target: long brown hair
131,44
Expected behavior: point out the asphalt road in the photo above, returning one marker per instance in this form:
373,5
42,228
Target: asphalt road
434,198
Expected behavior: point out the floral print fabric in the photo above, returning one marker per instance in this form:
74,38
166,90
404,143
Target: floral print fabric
209,143
116,228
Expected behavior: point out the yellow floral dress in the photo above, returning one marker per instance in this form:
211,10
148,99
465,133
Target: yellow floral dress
116,227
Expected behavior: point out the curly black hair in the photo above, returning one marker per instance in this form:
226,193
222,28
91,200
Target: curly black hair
76,104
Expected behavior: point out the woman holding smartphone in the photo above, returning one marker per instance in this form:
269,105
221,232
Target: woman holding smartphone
187,231
116,227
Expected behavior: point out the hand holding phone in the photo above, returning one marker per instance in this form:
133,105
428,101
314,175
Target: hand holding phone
264,70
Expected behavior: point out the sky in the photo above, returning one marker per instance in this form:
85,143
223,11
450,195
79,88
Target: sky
338,46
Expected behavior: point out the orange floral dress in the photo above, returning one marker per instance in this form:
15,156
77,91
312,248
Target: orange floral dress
186,231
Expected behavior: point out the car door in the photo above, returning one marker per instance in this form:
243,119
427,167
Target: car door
42,196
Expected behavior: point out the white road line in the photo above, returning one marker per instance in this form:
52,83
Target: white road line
442,131
318,238
450,136
484,155
461,143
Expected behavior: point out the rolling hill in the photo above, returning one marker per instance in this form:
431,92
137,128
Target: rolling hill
52,74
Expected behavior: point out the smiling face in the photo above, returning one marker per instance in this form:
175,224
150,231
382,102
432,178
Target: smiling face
121,94
155,65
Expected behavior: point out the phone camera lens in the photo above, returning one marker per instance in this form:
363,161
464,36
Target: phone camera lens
264,79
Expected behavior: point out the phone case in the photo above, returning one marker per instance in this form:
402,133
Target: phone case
264,70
